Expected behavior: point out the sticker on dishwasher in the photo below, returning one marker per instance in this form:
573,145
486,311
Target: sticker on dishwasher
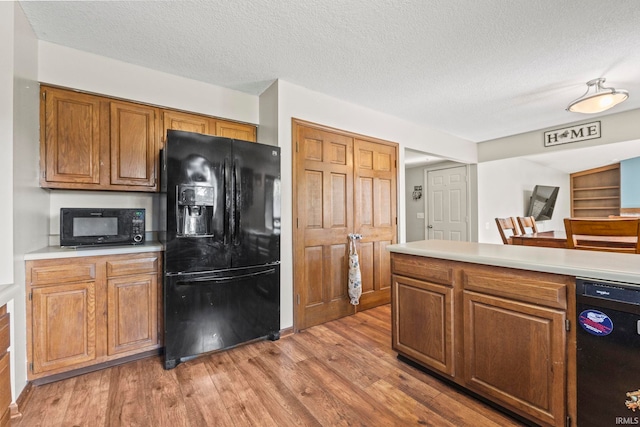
596,322
634,400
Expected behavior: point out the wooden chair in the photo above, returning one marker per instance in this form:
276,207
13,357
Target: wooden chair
507,227
527,222
592,233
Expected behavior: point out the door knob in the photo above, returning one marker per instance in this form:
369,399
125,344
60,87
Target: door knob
429,226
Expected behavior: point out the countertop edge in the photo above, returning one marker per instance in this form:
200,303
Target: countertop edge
587,264
53,252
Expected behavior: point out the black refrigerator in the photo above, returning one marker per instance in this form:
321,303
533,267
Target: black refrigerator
222,244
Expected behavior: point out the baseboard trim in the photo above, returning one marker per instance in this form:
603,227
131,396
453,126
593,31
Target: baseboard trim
99,366
286,331
21,401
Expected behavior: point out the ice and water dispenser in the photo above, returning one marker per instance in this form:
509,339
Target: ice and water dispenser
195,209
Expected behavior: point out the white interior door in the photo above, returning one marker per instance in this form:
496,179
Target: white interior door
447,204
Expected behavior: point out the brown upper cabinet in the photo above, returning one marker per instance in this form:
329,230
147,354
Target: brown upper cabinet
178,120
183,121
235,130
132,141
92,142
69,139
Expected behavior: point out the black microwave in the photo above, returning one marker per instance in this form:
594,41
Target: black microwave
88,227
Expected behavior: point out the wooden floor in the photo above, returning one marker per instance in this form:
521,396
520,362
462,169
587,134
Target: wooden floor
342,373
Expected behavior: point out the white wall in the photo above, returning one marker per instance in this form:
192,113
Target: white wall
301,103
6,165
281,102
616,127
102,199
64,66
268,129
30,203
6,140
97,74
414,225
504,188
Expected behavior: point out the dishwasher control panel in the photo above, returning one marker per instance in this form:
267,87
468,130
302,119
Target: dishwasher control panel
613,291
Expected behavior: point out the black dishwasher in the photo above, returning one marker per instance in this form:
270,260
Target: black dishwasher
608,353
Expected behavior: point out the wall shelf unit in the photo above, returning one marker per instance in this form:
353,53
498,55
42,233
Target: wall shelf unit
596,192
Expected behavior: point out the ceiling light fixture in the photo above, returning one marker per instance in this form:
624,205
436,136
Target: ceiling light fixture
597,98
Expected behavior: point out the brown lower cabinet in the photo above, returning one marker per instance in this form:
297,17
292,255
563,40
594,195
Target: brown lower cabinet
90,310
498,332
5,372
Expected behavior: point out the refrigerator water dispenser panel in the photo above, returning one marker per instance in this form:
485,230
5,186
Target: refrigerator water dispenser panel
195,210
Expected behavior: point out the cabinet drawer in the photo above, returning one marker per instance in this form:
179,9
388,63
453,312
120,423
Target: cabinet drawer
4,333
45,273
538,288
125,267
433,270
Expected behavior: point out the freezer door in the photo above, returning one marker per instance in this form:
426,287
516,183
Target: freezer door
198,208
256,201
213,311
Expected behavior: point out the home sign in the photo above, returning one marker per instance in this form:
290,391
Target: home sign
572,134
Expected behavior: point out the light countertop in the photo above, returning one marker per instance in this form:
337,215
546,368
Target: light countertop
51,252
590,264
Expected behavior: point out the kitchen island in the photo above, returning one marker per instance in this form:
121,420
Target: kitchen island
498,320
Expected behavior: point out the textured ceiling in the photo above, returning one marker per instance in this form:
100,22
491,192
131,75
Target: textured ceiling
476,69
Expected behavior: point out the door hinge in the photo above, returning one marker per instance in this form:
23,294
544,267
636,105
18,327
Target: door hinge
297,146
298,299
44,96
297,222
30,296
31,366
568,423
567,324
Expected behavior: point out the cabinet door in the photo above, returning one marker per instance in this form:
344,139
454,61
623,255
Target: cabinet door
515,354
236,130
64,325
183,121
70,138
423,322
133,145
132,313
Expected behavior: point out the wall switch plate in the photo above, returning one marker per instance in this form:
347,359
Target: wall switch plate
420,215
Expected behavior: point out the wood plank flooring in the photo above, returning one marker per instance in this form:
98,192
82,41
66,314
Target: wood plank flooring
341,373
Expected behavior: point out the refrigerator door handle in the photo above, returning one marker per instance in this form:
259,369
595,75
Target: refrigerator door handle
227,213
222,279
237,194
